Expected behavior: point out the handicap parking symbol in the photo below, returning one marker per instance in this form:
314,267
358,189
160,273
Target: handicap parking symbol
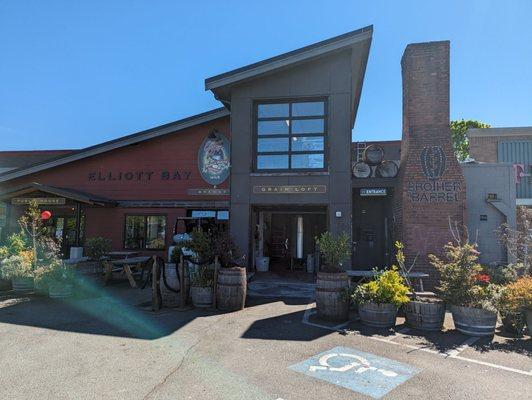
356,370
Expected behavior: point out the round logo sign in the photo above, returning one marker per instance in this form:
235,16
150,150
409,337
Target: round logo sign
214,158
433,162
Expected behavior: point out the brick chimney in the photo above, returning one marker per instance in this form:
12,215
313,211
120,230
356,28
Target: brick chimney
431,186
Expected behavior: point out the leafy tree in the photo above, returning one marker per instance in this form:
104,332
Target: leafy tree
459,138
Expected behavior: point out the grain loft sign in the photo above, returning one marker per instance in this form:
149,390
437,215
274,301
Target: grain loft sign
289,189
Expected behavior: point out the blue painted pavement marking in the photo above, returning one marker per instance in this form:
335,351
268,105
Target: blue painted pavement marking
356,370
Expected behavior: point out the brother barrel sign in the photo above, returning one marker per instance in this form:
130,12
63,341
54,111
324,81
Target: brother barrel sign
434,189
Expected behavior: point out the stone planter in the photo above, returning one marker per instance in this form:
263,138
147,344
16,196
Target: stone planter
378,315
5,285
330,301
474,321
201,296
528,317
22,284
60,290
426,316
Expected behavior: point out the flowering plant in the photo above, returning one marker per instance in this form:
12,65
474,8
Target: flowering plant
386,287
17,266
463,281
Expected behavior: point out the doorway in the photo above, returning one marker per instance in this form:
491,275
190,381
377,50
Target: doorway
287,237
372,229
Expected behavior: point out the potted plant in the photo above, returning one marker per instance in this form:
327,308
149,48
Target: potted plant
516,303
231,282
379,299
332,280
423,313
19,268
201,288
60,279
14,245
466,288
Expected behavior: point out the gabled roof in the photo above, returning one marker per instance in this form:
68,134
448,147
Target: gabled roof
359,39
76,195
116,143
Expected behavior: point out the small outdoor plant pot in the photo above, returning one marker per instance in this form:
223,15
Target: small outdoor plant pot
378,315
474,321
22,284
331,302
60,290
201,296
425,315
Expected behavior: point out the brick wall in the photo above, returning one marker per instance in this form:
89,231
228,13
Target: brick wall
485,148
431,186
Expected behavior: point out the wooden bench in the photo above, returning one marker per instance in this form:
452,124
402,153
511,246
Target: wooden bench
362,274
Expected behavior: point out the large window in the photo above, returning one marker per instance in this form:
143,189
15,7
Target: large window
290,136
145,232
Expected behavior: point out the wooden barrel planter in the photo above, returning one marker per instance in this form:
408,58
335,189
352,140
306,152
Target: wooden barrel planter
169,297
60,290
201,296
231,289
474,321
330,301
22,284
373,154
5,285
426,316
378,315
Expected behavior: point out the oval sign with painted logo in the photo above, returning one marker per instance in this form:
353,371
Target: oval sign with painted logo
214,158
433,162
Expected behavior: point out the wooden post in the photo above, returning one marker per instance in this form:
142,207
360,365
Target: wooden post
155,303
78,224
182,285
215,282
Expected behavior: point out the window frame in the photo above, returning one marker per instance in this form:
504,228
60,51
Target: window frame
145,216
289,153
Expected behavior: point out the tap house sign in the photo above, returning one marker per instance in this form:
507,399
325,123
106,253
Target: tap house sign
434,189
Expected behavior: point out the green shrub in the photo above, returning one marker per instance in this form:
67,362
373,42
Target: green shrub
97,247
334,250
18,266
386,287
203,277
15,244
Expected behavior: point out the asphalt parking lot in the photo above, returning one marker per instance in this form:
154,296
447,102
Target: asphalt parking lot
111,346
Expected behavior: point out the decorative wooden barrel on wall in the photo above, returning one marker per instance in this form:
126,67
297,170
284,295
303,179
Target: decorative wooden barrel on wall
329,298
387,169
361,170
373,154
231,289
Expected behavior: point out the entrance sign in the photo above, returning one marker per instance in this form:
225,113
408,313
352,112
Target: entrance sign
373,192
208,192
40,200
289,189
356,370
214,158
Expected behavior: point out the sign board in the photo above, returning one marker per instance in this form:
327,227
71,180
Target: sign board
40,200
208,192
214,158
356,370
373,192
289,189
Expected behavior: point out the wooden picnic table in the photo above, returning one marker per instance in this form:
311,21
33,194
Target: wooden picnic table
124,265
371,273
123,254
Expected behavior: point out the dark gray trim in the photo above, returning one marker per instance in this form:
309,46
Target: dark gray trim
117,143
173,204
283,60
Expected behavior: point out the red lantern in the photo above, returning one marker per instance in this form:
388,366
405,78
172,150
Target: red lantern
46,215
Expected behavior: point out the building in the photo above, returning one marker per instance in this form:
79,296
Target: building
276,162
506,145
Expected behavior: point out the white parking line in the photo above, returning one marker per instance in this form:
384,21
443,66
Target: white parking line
453,354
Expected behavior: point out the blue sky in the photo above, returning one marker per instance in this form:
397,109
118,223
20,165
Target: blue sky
76,73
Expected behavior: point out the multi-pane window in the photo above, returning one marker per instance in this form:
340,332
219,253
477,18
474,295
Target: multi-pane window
290,136
145,232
